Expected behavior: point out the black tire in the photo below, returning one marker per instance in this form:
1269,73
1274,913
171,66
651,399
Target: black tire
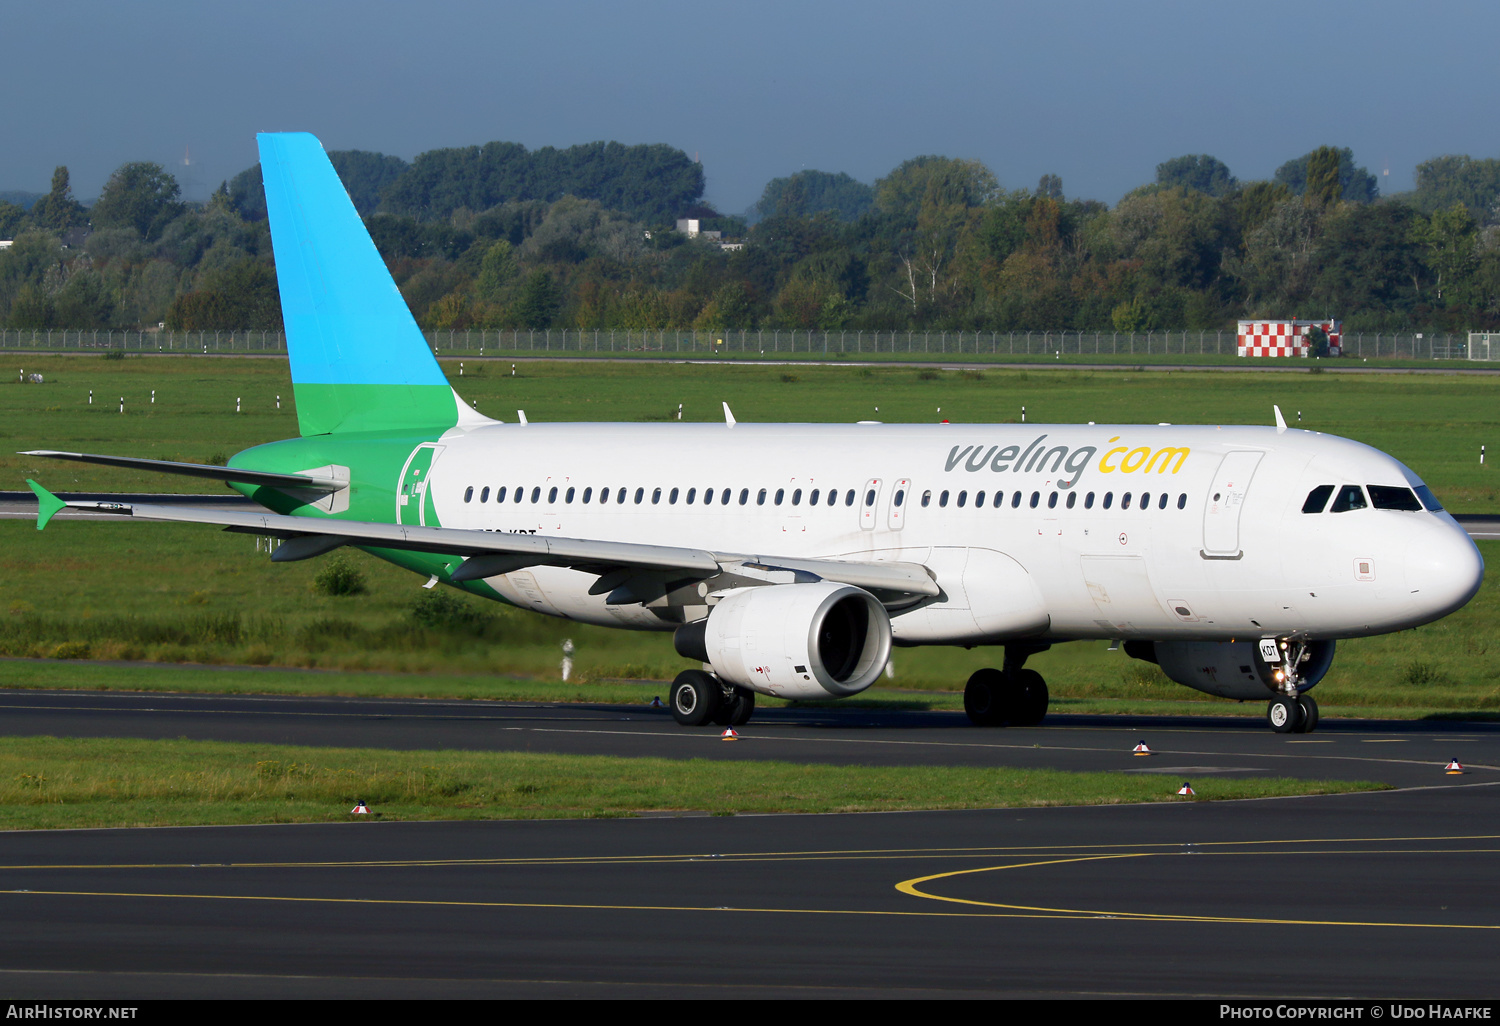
1284,714
1030,698
744,707
1309,713
988,699
735,707
696,698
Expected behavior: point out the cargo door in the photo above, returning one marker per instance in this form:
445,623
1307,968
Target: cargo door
1122,593
1223,504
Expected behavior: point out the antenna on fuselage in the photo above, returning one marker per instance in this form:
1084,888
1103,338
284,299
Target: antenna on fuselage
1280,420
522,415
729,417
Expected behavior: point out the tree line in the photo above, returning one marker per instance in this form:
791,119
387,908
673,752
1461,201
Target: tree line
500,237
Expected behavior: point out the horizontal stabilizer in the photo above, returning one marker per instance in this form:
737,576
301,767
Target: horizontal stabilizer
254,477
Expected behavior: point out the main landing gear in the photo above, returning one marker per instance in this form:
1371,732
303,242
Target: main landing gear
1014,696
1292,711
699,697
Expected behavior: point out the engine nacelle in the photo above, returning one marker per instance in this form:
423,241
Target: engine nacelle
1229,669
794,640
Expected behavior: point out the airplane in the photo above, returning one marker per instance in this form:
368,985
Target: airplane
788,559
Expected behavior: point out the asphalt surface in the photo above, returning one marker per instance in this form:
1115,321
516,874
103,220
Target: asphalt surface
1373,895
1384,894
1401,753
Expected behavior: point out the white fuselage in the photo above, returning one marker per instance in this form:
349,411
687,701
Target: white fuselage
1163,532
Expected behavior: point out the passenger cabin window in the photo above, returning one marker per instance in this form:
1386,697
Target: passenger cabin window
849,497
568,498
1109,499
1088,501
484,494
943,499
963,497
1072,499
978,499
812,499
500,494
1317,499
672,497
1015,501
1145,500
691,495
1349,497
900,497
724,498
780,494
1125,501
552,495
927,498
1052,501
1182,501
870,497
655,496
1162,502
1036,497
640,493
536,494
588,493
797,497
603,496
744,496
999,499
1393,497
760,497
469,493
833,496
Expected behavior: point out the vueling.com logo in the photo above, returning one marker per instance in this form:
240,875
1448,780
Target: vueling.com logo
1038,458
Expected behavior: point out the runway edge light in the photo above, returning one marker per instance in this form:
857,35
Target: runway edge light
360,809
1141,749
1186,789
1454,768
729,735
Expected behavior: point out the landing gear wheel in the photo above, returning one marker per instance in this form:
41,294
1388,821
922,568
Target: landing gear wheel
1030,698
1285,714
735,707
1309,713
696,697
987,698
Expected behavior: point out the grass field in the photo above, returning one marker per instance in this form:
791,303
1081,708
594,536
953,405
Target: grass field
183,594
55,782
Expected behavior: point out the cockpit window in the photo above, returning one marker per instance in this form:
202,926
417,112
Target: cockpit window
1349,497
1317,499
1428,499
1392,497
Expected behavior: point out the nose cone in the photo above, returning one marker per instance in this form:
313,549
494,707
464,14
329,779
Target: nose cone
1443,568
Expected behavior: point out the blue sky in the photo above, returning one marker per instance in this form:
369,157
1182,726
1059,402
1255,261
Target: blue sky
1098,92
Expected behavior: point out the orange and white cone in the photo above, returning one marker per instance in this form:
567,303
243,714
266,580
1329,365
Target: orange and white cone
359,810
1454,768
729,735
1141,749
1186,789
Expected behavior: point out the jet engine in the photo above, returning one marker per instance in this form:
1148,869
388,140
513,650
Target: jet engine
1229,669
816,640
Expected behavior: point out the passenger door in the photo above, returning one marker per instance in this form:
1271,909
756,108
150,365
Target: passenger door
1224,502
412,500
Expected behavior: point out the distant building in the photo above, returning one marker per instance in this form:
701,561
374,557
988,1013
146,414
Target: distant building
7,243
1286,337
689,227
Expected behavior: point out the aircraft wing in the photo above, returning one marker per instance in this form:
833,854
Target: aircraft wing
629,571
255,477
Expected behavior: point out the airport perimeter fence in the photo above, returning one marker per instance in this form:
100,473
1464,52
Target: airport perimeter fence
768,342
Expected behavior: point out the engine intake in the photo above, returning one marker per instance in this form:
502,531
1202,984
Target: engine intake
794,640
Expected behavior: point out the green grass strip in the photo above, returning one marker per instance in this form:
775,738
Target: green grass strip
48,782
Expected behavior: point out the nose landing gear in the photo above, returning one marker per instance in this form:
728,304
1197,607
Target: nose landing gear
1292,711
